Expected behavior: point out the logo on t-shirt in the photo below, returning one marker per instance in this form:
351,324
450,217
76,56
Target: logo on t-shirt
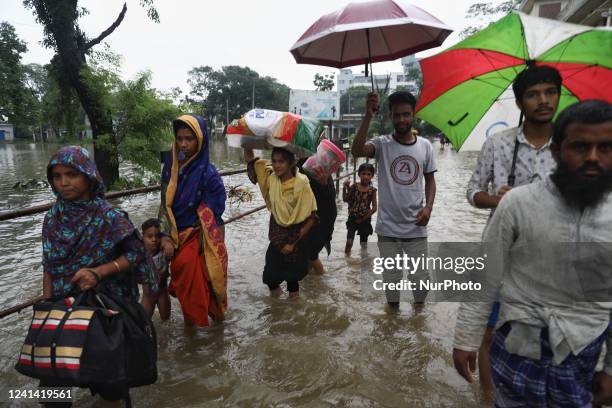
405,170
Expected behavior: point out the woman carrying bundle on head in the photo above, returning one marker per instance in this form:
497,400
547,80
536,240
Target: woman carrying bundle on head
292,207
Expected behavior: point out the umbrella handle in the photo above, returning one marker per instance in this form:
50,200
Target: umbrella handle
369,59
465,115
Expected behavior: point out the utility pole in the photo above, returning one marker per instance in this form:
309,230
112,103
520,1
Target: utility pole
349,101
226,112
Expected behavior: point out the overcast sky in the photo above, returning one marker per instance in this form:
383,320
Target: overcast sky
257,34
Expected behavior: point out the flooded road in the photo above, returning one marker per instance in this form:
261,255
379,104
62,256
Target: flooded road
331,348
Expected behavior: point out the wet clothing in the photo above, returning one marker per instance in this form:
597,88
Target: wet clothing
359,205
359,202
89,233
320,236
548,271
401,184
391,247
279,268
291,204
533,292
521,381
494,166
190,284
158,265
364,229
192,203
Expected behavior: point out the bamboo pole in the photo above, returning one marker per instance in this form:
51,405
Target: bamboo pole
20,307
12,214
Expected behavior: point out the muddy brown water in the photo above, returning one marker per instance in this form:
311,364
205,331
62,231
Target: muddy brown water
331,348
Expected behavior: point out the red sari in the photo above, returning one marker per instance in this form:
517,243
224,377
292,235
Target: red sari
191,282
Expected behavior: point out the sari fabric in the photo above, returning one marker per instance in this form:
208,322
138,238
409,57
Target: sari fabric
193,200
88,233
191,183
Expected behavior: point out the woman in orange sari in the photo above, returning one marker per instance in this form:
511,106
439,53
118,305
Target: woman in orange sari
192,202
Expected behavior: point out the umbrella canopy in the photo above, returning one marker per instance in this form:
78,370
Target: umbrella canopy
373,31
467,90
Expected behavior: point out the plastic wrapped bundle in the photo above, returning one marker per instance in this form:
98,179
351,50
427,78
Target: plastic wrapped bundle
265,129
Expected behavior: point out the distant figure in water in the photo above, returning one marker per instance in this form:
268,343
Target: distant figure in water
443,141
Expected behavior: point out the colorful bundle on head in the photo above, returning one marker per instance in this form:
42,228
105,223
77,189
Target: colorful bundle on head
265,129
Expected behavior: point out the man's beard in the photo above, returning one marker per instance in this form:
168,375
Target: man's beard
402,130
580,191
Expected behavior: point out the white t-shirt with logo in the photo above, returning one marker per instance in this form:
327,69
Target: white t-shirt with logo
401,185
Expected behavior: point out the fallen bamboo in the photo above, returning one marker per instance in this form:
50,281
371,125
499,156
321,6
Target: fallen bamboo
9,215
19,307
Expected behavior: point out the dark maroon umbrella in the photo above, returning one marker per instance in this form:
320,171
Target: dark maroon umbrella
372,31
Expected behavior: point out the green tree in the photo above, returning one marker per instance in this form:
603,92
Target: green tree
229,92
142,118
353,101
36,85
324,82
62,33
12,93
485,13
141,115
61,109
413,74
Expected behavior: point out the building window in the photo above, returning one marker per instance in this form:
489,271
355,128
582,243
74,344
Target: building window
550,10
400,78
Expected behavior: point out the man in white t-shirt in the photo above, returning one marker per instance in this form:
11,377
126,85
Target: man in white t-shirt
406,184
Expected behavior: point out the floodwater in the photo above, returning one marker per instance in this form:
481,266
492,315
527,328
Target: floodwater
332,348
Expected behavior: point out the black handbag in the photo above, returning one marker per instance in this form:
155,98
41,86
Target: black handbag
95,339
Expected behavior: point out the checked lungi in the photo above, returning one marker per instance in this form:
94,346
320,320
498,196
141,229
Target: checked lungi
524,382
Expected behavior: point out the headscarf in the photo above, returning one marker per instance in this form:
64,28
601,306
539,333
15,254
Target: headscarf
290,202
193,182
85,233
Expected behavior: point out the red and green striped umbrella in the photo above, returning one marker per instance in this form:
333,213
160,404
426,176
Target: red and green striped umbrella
467,89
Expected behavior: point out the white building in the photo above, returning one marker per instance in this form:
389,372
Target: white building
586,12
6,132
346,79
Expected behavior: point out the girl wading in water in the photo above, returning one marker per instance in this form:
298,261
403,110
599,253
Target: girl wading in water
292,207
192,202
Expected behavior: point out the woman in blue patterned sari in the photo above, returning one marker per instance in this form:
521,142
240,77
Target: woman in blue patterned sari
86,240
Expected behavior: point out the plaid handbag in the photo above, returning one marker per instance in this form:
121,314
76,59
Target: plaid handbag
95,339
